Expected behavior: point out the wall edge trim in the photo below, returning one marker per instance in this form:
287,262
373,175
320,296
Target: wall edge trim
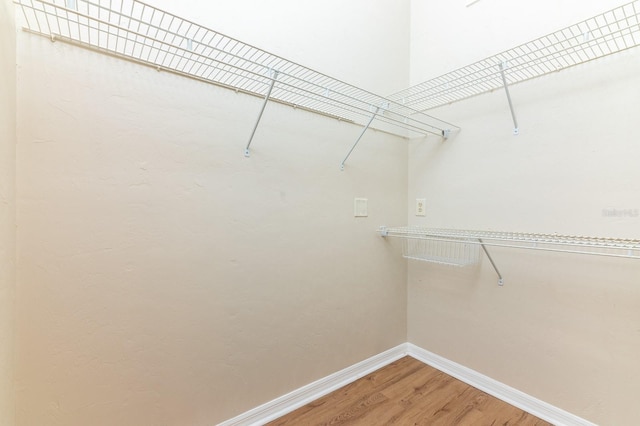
519,399
302,396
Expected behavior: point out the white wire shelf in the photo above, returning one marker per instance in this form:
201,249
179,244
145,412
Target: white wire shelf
615,247
610,32
451,244
136,31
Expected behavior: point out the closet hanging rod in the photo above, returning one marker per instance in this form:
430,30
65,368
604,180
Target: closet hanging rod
133,60
280,101
610,32
141,32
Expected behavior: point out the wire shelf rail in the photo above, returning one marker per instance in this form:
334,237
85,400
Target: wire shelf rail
136,31
447,239
604,34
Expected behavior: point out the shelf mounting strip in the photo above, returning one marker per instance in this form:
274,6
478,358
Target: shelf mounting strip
604,34
136,31
454,238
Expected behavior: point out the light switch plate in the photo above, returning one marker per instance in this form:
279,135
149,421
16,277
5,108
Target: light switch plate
360,207
421,208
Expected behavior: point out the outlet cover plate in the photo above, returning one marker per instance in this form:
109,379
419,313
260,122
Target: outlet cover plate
360,207
421,209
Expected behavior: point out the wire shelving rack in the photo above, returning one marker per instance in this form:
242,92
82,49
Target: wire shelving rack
458,252
604,34
136,31
453,244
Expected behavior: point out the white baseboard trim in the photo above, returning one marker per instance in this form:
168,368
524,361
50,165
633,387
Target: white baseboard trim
501,391
304,395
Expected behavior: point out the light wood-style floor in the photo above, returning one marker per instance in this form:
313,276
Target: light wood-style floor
408,392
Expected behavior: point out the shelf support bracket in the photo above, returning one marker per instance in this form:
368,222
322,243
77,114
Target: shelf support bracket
264,104
516,130
500,280
359,137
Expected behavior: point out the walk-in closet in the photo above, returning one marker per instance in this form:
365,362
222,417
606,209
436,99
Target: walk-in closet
354,212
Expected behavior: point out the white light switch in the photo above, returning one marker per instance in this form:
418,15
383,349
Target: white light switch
360,207
421,209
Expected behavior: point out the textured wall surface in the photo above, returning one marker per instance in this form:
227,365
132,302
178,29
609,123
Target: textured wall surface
167,279
7,207
362,42
446,35
564,328
163,278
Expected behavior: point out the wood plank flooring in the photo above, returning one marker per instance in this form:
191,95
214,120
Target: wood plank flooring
408,392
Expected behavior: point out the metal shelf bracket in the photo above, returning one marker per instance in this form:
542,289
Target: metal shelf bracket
503,66
274,77
500,279
360,137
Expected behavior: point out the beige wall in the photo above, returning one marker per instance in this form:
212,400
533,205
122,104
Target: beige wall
362,42
564,328
167,279
7,207
446,35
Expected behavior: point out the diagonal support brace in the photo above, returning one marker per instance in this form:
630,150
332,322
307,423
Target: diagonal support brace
500,280
359,137
264,105
516,130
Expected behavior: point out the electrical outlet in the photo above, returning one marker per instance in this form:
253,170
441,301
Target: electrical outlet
421,208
